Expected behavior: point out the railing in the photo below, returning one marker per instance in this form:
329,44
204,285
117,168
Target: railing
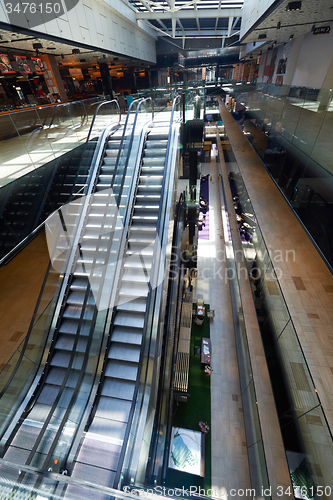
308,440
293,136
19,372
254,438
26,202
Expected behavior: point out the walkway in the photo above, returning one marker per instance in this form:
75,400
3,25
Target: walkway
229,452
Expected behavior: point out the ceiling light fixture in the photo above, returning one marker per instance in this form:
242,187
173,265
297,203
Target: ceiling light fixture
262,36
291,37
278,26
293,6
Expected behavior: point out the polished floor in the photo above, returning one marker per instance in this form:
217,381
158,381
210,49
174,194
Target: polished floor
230,468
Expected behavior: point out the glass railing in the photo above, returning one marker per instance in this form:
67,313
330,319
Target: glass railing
24,483
26,202
254,439
18,374
307,438
291,129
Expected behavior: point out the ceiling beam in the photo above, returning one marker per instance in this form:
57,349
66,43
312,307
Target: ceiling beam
194,33
181,27
173,24
190,14
188,4
230,25
145,4
157,4
162,24
236,21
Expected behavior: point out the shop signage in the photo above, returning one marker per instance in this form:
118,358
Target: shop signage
5,66
321,30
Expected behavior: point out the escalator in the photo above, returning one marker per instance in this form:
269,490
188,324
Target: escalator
114,404
77,416
67,376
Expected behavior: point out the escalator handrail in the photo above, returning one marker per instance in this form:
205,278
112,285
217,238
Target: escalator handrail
95,115
177,98
132,136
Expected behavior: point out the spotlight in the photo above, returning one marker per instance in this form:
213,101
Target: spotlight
291,37
278,26
37,46
76,51
62,56
262,36
293,6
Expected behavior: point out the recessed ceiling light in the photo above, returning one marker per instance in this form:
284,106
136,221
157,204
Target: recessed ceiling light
293,6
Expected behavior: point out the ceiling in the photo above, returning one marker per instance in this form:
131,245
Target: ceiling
292,24
188,19
23,45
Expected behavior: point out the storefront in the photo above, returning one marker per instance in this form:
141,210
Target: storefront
26,81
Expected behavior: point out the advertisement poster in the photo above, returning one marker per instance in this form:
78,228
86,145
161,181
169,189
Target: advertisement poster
185,451
5,65
22,64
38,65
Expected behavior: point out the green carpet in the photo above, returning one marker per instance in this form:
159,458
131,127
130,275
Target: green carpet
188,415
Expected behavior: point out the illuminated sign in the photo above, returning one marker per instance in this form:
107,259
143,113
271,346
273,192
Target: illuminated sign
322,30
5,66
23,64
38,65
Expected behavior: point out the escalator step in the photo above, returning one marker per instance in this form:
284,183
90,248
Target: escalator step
113,409
127,335
115,388
131,319
123,370
136,305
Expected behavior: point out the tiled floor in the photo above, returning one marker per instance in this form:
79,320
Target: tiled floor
229,453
